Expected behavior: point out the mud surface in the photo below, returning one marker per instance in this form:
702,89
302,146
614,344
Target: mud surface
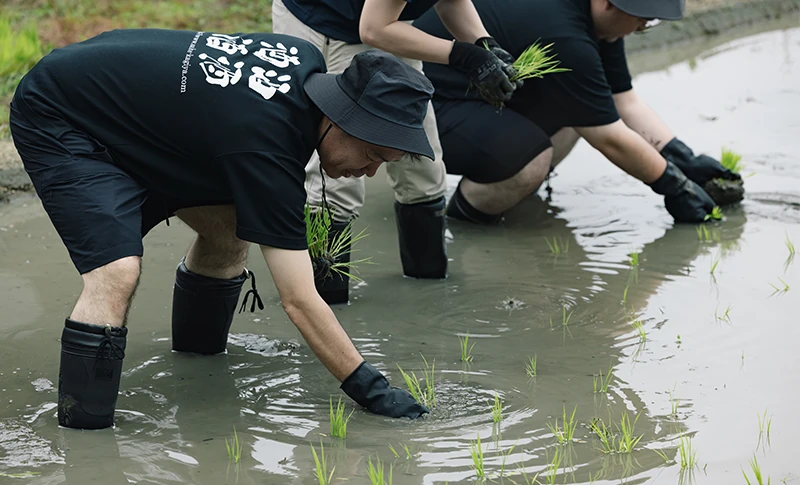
720,349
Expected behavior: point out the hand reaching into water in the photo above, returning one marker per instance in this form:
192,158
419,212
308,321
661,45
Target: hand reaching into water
369,388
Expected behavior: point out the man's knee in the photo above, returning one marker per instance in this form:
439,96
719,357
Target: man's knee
531,176
118,277
563,142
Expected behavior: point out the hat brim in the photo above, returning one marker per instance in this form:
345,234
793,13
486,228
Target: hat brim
324,90
664,10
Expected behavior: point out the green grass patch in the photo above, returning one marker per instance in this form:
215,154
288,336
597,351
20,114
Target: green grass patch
423,392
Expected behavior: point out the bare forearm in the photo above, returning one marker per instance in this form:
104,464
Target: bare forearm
325,336
461,19
407,41
641,118
627,150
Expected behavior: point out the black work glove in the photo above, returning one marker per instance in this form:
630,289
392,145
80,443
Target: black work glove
685,200
369,388
486,72
704,170
501,54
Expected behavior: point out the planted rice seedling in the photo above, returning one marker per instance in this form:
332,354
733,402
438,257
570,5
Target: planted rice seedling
790,246
423,393
497,409
555,464
564,317
466,349
673,404
663,456
558,246
731,160
757,475
716,214
778,289
687,455
724,316
714,265
530,366
633,259
764,427
321,466
639,327
338,419
601,382
325,251
505,454
565,433
476,452
623,441
234,448
628,439
376,474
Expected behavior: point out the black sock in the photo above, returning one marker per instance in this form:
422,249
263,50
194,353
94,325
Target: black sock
459,208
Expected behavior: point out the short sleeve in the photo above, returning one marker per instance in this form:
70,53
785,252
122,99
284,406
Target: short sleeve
615,65
269,197
578,97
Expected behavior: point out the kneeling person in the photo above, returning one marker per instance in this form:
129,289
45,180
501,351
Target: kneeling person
506,155
124,130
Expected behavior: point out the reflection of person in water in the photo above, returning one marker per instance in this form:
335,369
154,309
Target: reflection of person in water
505,155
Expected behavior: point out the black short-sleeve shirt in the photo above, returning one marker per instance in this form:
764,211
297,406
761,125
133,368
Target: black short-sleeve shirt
580,97
338,19
196,116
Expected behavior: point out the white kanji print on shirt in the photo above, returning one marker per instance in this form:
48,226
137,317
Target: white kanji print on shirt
261,83
279,56
228,43
219,72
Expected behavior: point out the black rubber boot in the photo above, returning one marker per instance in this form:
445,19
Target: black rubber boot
420,230
335,287
202,311
88,380
460,209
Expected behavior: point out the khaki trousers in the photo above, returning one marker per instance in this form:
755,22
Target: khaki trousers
412,182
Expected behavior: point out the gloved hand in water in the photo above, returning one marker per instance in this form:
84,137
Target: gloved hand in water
487,73
369,388
702,169
684,199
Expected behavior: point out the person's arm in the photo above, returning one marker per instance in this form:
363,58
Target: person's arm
293,276
625,149
639,117
380,27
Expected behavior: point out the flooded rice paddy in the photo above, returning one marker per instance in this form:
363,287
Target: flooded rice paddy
716,367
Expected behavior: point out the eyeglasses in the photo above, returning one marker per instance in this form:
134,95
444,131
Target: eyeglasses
648,24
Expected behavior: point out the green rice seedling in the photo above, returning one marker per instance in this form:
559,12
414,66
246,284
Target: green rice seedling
673,404
530,366
321,466
731,160
234,447
535,62
376,473
558,245
396,454
423,393
764,427
505,454
703,233
466,349
687,455
639,327
778,289
757,475
633,259
716,214
714,265
724,317
564,317
325,251
601,383
663,456
790,246
625,295
627,440
555,464
678,340
566,433
476,452
605,434
338,419
497,409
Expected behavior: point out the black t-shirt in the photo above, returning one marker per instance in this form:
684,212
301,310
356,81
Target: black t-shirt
580,97
196,116
339,19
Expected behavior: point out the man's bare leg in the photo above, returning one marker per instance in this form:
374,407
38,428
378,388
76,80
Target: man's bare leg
208,282
107,293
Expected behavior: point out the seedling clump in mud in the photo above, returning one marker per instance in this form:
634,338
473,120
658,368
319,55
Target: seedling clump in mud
722,190
325,251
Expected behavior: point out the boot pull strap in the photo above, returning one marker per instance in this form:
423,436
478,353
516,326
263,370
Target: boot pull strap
115,352
254,292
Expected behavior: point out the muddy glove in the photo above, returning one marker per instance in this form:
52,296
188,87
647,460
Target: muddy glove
369,388
685,200
486,72
705,171
503,55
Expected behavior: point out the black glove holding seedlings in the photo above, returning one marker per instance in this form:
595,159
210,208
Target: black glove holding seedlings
684,199
486,72
503,55
369,388
724,186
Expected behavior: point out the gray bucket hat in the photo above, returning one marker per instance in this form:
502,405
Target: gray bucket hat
378,99
652,9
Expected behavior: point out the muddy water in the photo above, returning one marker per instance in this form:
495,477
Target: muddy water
175,411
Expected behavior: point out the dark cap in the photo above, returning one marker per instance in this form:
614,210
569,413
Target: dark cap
378,99
652,9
